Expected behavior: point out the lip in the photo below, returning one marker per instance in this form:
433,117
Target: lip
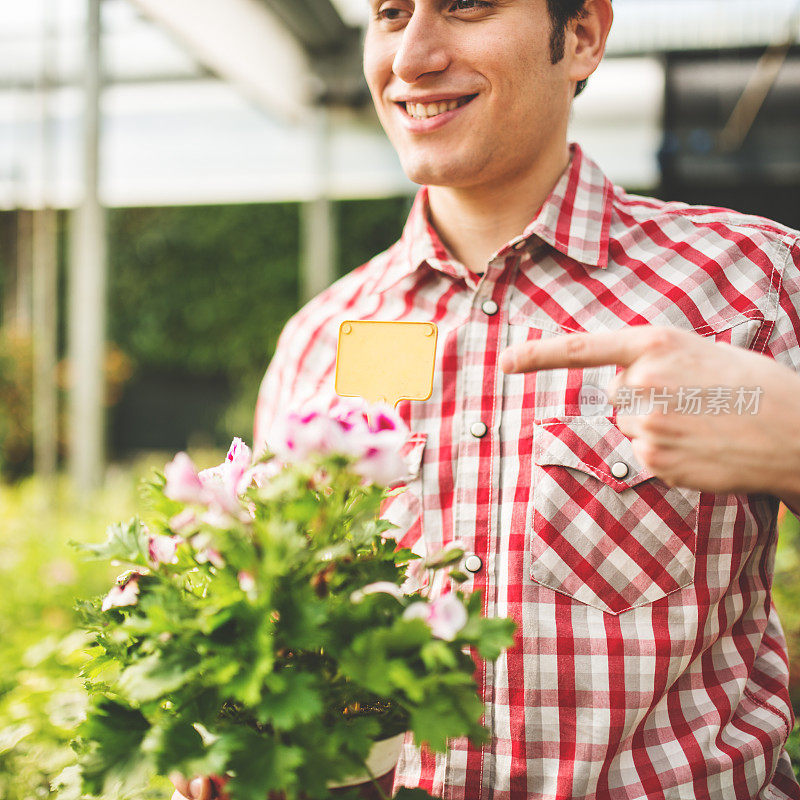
432,98
433,123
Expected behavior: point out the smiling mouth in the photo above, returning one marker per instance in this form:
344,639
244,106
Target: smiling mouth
429,110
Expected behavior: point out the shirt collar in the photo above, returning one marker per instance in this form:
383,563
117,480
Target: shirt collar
574,220
576,217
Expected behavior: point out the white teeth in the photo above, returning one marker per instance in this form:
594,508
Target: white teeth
420,111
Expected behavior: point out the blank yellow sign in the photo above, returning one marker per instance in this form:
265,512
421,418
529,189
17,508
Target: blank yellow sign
386,361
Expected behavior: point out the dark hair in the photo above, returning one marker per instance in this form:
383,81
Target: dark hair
561,12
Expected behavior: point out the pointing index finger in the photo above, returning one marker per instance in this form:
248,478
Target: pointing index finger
576,350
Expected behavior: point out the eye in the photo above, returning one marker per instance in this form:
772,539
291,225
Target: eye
469,5
390,13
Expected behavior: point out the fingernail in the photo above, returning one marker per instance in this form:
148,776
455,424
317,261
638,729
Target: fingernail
508,361
195,787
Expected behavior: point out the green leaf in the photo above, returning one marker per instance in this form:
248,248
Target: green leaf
494,636
446,558
154,676
447,715
110,740
292,697
412,794
126,542
260,764
172,744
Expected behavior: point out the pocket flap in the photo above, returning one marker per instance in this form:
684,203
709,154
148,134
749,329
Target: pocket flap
594,445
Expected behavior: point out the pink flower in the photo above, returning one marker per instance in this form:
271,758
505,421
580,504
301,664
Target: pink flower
373,437
163,549
247,583
262,473
124,594
298,435
384,587
224,484
206,554
237,463
183,483
446,616
184,522
378,443
220,490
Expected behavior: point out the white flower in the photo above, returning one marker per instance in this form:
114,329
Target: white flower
123,594
384,587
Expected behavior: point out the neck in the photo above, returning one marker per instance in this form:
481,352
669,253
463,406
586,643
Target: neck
475,222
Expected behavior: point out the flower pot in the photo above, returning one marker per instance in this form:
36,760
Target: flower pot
381,762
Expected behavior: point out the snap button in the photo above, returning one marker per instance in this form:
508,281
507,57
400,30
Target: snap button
478,430
473,564
490,308
620,470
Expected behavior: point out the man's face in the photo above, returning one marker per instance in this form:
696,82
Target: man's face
465,89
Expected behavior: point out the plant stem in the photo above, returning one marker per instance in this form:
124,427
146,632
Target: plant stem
375,783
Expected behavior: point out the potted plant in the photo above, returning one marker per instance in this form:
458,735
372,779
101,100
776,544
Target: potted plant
267,629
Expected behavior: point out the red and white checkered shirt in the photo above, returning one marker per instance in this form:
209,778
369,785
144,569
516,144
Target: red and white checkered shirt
649,661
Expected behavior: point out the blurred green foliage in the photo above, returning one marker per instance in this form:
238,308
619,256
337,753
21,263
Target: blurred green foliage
16,384
202,292
206,290
41,577
202,289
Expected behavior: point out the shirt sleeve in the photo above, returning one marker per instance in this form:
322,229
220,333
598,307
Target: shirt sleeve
784,341
276,388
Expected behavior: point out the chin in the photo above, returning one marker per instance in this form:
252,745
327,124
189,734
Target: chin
439,173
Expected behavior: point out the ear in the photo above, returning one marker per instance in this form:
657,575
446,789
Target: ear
586,38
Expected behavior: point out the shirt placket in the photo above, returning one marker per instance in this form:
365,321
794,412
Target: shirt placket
477,479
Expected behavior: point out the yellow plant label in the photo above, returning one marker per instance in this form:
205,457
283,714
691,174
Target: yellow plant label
386,361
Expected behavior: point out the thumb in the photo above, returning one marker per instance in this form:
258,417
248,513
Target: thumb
200,788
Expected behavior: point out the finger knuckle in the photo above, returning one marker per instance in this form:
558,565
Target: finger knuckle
664,339
576,349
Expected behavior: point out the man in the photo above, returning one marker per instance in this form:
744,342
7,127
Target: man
649,662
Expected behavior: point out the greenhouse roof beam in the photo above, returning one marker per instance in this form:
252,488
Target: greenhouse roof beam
244,43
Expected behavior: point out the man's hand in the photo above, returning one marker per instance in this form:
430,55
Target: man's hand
199,788
723,452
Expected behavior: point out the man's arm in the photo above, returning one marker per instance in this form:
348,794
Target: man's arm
752,451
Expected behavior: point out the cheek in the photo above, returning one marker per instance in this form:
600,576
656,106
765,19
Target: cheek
378,58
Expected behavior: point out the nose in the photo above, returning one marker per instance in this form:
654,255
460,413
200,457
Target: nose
423,48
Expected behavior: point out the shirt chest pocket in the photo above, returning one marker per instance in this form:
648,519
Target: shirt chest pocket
604,530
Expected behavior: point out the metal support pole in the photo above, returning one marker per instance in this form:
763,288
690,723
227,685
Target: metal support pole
87,289
318,263
45,279
22,282
45,303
